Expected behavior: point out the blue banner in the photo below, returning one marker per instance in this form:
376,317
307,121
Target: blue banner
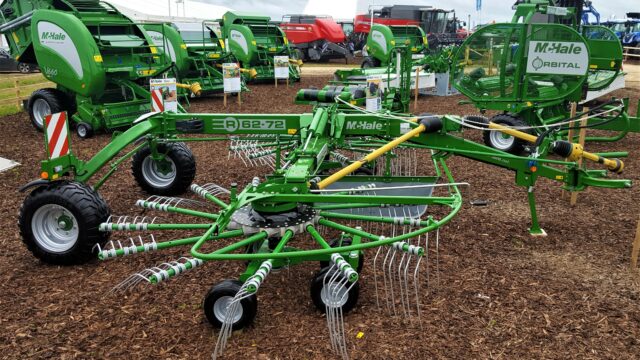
478,5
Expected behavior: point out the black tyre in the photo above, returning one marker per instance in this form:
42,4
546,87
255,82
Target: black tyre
84,130
346,242
321,294
24,68
218,298
59,223
500,141
370,62
44,102
171,176
300,55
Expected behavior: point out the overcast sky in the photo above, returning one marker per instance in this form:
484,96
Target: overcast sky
499,10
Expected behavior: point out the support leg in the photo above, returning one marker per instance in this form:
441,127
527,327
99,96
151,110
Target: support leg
535,229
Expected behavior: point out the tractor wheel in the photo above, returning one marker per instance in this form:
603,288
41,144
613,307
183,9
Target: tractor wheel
300,55
59,223
218,299
335,243
370,62
171,176
45,102
84,130
504,142
323,294
24,68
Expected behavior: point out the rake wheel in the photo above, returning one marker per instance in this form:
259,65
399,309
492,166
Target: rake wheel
59,223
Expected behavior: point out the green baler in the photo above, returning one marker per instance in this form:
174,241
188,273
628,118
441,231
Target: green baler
382,45
99,59
197,53
382,39
254,41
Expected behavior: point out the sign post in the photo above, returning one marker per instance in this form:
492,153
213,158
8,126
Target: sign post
373,90
281,68
231,81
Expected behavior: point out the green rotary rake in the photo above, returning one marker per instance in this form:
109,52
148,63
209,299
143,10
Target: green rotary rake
343,182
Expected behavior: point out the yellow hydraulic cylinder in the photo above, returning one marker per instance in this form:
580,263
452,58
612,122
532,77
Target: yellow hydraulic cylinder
432,124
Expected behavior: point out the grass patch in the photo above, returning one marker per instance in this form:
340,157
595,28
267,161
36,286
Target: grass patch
7,81
26,83
9,109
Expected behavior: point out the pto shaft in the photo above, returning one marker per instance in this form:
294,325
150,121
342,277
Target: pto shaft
565,149
195,88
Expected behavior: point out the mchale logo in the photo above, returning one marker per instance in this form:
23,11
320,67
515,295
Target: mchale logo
47,35
557,48
363,125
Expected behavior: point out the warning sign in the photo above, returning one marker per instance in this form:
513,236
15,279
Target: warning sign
164,95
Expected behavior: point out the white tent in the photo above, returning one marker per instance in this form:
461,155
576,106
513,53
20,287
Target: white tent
338,9
165,10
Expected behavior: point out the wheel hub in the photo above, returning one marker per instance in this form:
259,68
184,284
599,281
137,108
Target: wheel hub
54,228
220,309
65,223
334,295
247,216
158,173
501,141
41,109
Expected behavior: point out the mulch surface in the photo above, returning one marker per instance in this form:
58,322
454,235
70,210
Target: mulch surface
500,292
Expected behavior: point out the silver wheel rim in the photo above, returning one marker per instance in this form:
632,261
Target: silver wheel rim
220,309
501,141
41,109
54,228
334,295
82,131
23,68
154,176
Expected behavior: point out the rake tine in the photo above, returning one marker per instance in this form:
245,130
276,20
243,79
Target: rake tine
384,274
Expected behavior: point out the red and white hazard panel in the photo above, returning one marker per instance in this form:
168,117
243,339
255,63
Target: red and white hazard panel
157,103
57,135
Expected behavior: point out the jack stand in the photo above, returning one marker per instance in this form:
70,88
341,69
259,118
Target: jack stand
535,230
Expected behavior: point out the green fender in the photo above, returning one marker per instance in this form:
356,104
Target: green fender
242,43
170,43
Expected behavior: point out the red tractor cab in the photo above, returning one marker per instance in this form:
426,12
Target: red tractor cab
436,23
316,38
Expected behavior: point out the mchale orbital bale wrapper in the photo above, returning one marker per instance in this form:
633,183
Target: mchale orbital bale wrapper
343,178
532,71
316,38
196,52
254,42
99,59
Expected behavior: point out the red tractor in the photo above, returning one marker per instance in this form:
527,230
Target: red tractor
316,38
441,26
